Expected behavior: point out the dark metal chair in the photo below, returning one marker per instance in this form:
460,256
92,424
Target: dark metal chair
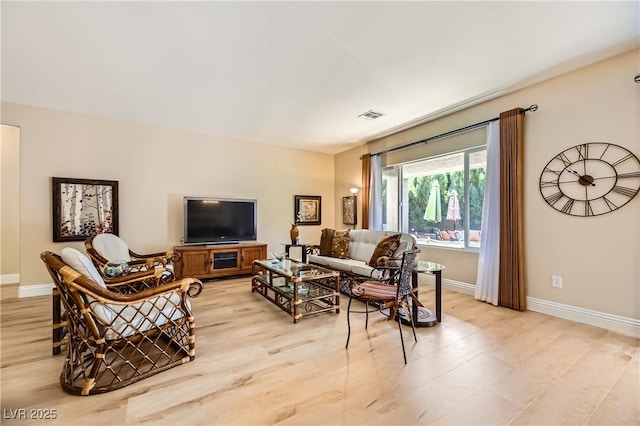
392,293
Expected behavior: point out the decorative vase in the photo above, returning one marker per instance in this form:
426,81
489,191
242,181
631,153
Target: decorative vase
294,233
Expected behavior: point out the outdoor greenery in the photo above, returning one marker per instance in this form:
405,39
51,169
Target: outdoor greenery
420,189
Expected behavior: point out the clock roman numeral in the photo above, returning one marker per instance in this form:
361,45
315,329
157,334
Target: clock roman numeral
623,159
548,170
583,151
623,190
562,157
629,175
588,210
612,206
553,198
546,184
567,206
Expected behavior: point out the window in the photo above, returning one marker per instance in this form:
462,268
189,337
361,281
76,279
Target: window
438,199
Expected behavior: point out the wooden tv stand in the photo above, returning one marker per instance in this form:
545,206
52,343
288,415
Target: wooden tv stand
214,261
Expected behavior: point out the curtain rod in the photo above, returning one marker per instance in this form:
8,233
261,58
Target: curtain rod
532,108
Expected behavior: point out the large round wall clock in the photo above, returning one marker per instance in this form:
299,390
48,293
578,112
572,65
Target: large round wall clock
590,179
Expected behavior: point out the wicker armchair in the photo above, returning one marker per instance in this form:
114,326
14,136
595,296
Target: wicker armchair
110,250
118,335
392,292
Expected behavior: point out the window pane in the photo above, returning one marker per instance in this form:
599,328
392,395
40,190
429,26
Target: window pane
442,198
436,199
390,199
477,176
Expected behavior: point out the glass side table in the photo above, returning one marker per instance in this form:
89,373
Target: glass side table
424,317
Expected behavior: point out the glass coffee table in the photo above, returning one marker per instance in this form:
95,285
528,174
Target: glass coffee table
297,288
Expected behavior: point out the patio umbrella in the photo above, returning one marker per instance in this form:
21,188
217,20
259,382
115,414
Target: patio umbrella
433,213
453,209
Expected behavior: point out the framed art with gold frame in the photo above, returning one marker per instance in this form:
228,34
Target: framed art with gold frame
349,210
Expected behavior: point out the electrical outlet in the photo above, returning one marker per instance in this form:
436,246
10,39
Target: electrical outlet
556,281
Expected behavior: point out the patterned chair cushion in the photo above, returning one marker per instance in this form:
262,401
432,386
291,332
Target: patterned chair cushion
374,290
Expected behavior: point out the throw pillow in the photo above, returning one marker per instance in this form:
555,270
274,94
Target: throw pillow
326,240
340,244
444,235
452,235
386,247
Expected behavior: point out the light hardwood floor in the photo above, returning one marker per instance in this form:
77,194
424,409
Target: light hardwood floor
481,365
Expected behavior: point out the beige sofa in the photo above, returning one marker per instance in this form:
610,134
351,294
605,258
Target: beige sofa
362,243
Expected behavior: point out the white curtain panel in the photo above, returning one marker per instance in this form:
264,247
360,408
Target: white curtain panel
488,261
375,209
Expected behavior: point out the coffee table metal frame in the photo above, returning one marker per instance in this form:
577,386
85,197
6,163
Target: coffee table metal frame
297,288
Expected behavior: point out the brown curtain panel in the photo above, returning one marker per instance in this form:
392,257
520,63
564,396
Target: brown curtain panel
366,189
511,284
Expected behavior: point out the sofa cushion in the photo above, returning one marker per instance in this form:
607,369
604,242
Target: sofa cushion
318,260
340,244
363,243
386,247
326,240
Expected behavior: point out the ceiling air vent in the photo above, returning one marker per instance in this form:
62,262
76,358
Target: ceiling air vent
371,114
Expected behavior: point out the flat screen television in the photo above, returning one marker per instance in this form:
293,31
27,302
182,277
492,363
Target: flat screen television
209,220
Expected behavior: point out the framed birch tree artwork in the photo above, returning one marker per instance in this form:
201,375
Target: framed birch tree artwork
84,207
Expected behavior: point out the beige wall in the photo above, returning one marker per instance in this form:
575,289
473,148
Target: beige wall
598,257
10,203
155,168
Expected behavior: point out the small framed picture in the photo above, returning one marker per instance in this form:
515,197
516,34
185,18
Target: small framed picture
307,209
349,210
83,207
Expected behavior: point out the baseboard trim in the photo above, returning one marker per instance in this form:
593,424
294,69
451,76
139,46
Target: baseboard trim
457,286
623,325
9,279
35,290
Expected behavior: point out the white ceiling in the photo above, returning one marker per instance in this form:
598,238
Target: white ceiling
295,74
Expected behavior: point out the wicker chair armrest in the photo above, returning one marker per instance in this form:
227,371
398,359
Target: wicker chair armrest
135,281
84,285
163,257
